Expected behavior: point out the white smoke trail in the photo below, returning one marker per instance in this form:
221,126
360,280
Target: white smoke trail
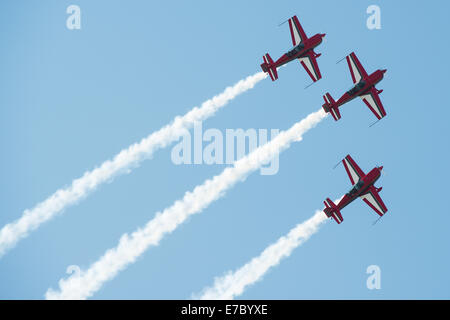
233,284
130,247
130,157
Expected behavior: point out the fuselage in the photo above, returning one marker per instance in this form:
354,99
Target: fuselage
360,187
360,88
300,50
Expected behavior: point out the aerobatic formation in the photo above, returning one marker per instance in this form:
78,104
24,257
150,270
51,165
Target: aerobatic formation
363,87
130,247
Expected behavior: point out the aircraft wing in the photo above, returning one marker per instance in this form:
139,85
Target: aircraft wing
353,170
372,100
297,34
309,62
356,69
373,199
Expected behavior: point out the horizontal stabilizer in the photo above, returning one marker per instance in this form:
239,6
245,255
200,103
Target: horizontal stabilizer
332,211
269,67
330,106
335,113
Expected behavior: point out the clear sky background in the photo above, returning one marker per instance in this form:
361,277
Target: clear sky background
71,99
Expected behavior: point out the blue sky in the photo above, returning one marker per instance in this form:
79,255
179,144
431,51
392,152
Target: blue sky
71,99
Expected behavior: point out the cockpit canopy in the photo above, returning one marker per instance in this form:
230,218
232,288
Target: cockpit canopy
356,187
295,50
361,84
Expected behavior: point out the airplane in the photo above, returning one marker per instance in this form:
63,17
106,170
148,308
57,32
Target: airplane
363,187
303,50
364,87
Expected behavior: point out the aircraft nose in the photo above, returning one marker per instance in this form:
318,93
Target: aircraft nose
380,168
323,35
384,70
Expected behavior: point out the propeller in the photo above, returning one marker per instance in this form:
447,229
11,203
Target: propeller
383,172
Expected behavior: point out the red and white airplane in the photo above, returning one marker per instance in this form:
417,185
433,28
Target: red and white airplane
363,187
303,50
364,87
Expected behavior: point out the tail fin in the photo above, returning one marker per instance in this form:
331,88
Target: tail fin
331,210
330,106
269,66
